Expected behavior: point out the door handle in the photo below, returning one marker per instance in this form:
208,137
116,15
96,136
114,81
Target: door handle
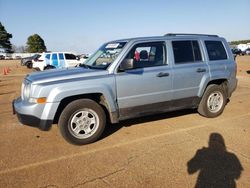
162,74
201,70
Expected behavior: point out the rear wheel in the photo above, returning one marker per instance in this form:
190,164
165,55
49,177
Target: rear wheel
82,121
49,67
213,101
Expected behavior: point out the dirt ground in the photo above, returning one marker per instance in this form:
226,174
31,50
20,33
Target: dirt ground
179,149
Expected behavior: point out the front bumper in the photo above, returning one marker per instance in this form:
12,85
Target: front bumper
28,119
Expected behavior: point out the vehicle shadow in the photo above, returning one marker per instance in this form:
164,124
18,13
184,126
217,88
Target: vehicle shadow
217,167
112,128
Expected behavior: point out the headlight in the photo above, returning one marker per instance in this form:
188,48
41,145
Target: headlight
25,90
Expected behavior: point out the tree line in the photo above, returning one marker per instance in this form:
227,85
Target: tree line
239,42
34,44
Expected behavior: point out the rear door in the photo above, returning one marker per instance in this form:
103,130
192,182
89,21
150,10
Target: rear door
189,72
61,60
54,60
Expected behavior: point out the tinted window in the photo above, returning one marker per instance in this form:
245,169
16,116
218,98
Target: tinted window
54,56
186,51
47,56
61,56
147,54
215,50
70,56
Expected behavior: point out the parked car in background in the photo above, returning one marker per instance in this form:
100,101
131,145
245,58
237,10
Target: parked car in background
27,61
83,57
18,57
236,51
8,57
2,57
247,51
54,60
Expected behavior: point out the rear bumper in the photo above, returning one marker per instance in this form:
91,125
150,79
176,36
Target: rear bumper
232,87
29,120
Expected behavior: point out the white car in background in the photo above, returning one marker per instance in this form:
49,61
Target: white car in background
247,51
52,60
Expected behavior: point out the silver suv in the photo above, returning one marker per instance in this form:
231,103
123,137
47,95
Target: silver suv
130,78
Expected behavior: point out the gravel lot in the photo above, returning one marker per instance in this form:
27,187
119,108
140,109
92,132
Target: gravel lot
179,149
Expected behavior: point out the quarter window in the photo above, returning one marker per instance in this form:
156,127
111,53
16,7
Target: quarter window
70,56
215,50
186,51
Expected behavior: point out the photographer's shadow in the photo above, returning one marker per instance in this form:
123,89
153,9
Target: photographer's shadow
217,167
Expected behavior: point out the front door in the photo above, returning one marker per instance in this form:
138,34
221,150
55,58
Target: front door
147,87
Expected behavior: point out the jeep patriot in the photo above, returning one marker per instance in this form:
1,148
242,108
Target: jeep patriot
130,78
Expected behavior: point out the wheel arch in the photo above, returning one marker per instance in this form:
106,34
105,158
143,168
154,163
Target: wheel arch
97,97
218,81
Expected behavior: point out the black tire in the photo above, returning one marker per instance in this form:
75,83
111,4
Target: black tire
49,67
29,65
71,111
212,90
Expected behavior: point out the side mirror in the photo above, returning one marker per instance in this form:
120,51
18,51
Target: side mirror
127,64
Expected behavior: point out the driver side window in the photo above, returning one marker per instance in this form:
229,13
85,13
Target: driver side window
147,55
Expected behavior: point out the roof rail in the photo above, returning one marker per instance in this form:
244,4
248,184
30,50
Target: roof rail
189,34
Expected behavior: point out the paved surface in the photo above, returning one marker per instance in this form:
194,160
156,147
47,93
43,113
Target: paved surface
159,151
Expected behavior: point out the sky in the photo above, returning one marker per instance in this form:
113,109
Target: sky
81,26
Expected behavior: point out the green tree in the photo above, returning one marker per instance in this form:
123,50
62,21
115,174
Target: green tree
239,42
5,39
35,44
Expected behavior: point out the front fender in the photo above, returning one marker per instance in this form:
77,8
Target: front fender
60,92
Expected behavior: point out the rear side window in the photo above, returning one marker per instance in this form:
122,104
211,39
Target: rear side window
54,56
187,51
70,56
215,50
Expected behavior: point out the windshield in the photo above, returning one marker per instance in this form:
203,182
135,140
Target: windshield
105,55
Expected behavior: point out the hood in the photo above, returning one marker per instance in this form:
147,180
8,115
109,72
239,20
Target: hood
63,74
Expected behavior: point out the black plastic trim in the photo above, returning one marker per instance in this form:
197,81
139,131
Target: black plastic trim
34,121
157,108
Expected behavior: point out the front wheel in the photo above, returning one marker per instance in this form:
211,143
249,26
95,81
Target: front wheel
29,65
82,121
213,101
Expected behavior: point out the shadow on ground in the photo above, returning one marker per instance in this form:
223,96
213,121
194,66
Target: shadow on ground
248,71
217,167
112,128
